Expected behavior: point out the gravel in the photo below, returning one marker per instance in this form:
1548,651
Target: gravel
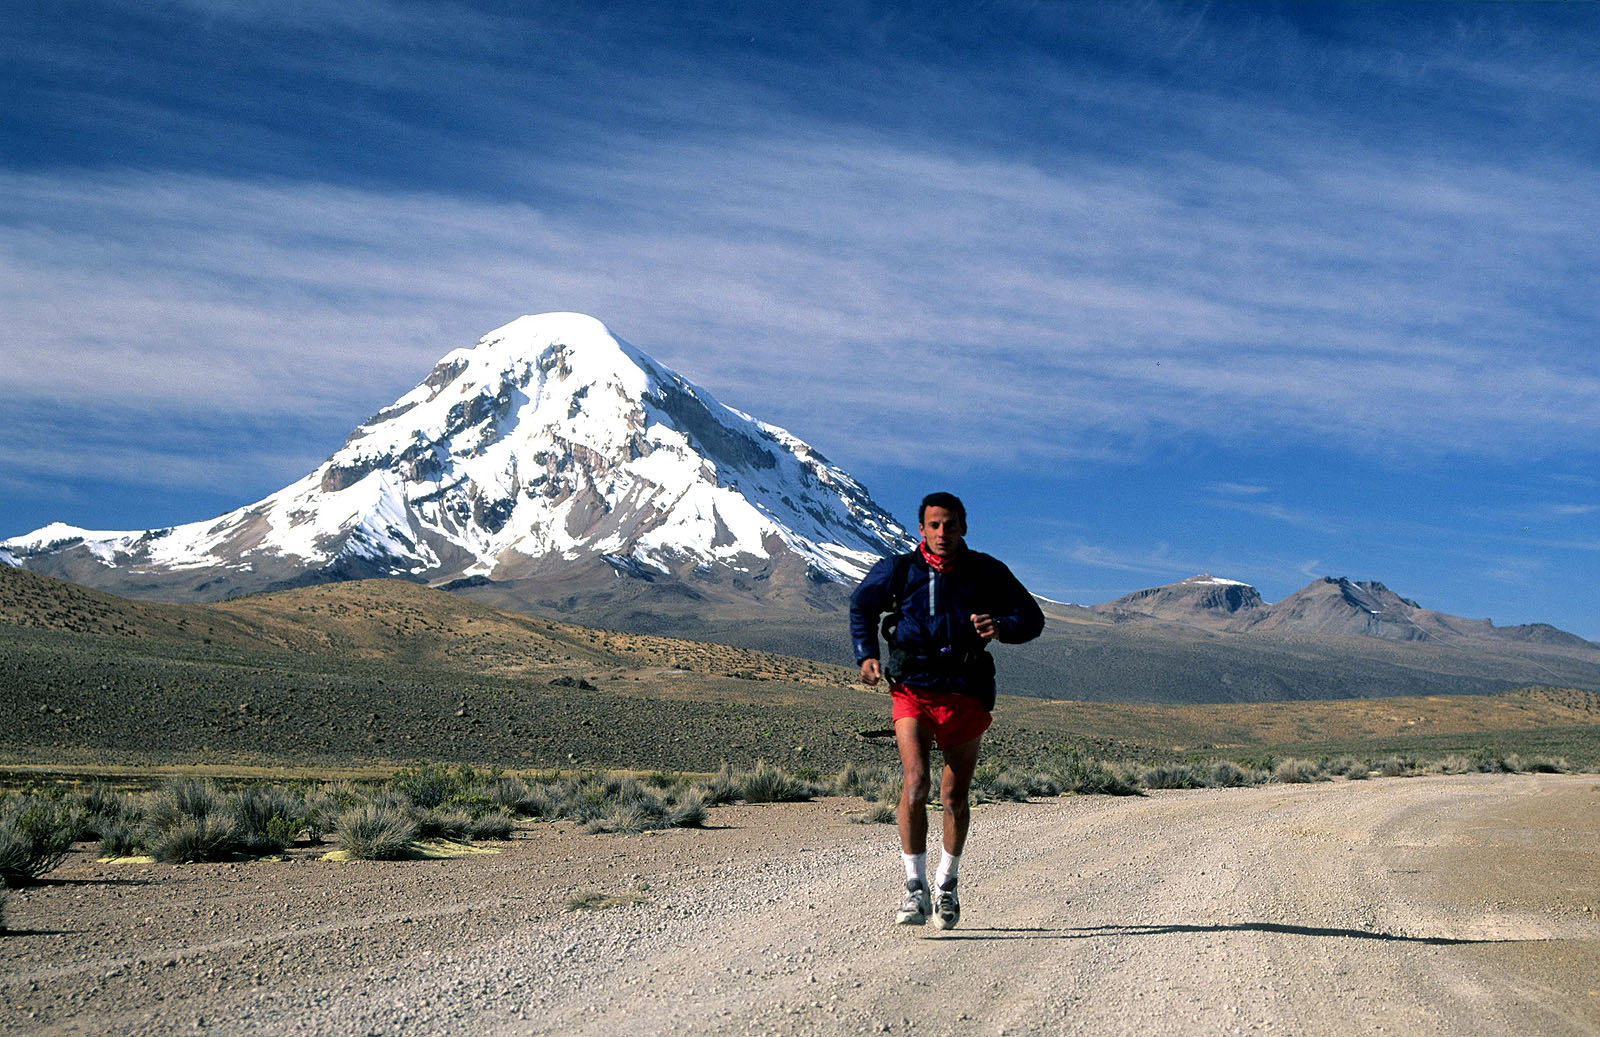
1430,905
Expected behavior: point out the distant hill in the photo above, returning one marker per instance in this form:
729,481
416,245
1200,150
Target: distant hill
369,673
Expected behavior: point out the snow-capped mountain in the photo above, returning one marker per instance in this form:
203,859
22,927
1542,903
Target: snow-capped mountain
550,442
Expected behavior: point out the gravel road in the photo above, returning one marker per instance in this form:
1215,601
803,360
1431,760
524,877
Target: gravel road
1415,906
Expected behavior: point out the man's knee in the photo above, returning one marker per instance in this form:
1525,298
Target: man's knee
916,786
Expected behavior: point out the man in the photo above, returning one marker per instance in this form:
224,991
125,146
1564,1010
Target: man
942,605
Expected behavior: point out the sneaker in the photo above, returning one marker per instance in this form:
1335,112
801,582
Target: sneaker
914,906
946,908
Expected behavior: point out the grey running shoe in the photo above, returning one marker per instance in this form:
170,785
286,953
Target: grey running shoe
914,906
946,908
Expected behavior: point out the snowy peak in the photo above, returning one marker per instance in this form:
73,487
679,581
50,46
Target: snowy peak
547,442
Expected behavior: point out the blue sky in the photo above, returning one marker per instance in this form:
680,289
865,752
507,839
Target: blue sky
1269,291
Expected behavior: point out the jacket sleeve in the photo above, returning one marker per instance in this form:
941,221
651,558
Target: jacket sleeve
871,598
1023,620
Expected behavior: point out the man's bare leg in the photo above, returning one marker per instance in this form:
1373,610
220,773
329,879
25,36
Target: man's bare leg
916,743
960,761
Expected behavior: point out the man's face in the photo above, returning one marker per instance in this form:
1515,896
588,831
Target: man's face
942,531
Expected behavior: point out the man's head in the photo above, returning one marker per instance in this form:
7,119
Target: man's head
942,521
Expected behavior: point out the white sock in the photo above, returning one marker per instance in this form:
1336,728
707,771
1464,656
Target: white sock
948,865
916,866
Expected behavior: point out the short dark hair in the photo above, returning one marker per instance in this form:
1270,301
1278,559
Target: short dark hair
948,501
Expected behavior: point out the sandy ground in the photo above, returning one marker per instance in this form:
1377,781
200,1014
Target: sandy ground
1413,906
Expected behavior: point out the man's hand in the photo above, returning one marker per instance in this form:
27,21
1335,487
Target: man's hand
871,671
983,623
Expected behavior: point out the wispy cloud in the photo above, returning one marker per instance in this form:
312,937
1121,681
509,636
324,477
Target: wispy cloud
777,213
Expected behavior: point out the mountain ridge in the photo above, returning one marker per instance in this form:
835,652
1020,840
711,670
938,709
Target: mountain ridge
549,442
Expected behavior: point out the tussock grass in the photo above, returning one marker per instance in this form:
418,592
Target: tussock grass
266,818
35,836
121,840
877,814
375,833
768,784
1296,771
192,840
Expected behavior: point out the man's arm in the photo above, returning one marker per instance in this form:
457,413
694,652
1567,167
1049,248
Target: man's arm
871,597
1022,621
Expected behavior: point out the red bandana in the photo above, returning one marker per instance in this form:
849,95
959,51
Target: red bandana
935,562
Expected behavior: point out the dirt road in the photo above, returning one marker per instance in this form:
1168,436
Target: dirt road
1427,905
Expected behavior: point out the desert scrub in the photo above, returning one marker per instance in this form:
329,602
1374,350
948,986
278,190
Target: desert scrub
1172,776
1357,772
768,784
498,823
192,840
1226,774
430,785
1296,771
120,840
35,836
266,818
183,799
375,833
97,809
1397,767
876,814
721,787
443,823
1548,765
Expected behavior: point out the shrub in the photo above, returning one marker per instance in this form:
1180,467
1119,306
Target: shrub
266,818
191,840
430,785
1357,772
991,785
35,836
1548,765
767,784
1297,771
876,814
495,824
1172,776
1396,767
97,808
120,840
689,811
1226,774
374,832
721,787
443,823
183,799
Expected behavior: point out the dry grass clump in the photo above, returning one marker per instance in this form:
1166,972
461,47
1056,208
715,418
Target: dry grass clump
35,835
375,833
1226,774
191,840
1297,771
495,824
266,818
1173,776
768,784
877,814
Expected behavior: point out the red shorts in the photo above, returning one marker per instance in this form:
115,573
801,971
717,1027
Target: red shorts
954,719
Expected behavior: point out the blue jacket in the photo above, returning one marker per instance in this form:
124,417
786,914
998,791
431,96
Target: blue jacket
933,645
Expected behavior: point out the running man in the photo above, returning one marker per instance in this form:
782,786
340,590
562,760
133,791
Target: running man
942,604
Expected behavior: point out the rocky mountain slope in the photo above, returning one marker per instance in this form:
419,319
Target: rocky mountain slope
550,451
1330,605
